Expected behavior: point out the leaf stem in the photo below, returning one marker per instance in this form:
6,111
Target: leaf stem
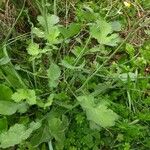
55,7
82,52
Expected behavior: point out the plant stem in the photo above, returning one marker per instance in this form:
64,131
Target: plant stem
34,71
82,52
55,7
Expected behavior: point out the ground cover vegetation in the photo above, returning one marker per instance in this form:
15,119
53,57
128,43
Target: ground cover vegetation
74,75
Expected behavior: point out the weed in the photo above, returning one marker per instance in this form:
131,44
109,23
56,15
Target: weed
78,78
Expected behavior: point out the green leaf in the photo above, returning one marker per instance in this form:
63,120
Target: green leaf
86,102
71,30
39,33
102,116
25,94
126,76
33,49
57,129
8,108
130,50
52,35
49,101
22,107
4,60
49,21
145,52
40,136
53,75
95,49
17,134
102,31
146,4
11,76
116,26
3,124
69,66
147,32
77,50
86,14
98,114
24,119
52,19
50,29
5,93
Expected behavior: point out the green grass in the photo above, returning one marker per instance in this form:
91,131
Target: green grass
75,75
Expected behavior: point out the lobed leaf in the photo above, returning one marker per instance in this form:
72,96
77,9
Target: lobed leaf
53,75
25,94
33,49
102,31
17,134
101,115
5,93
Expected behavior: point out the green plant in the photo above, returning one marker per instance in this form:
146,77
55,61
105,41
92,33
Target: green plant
77,85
